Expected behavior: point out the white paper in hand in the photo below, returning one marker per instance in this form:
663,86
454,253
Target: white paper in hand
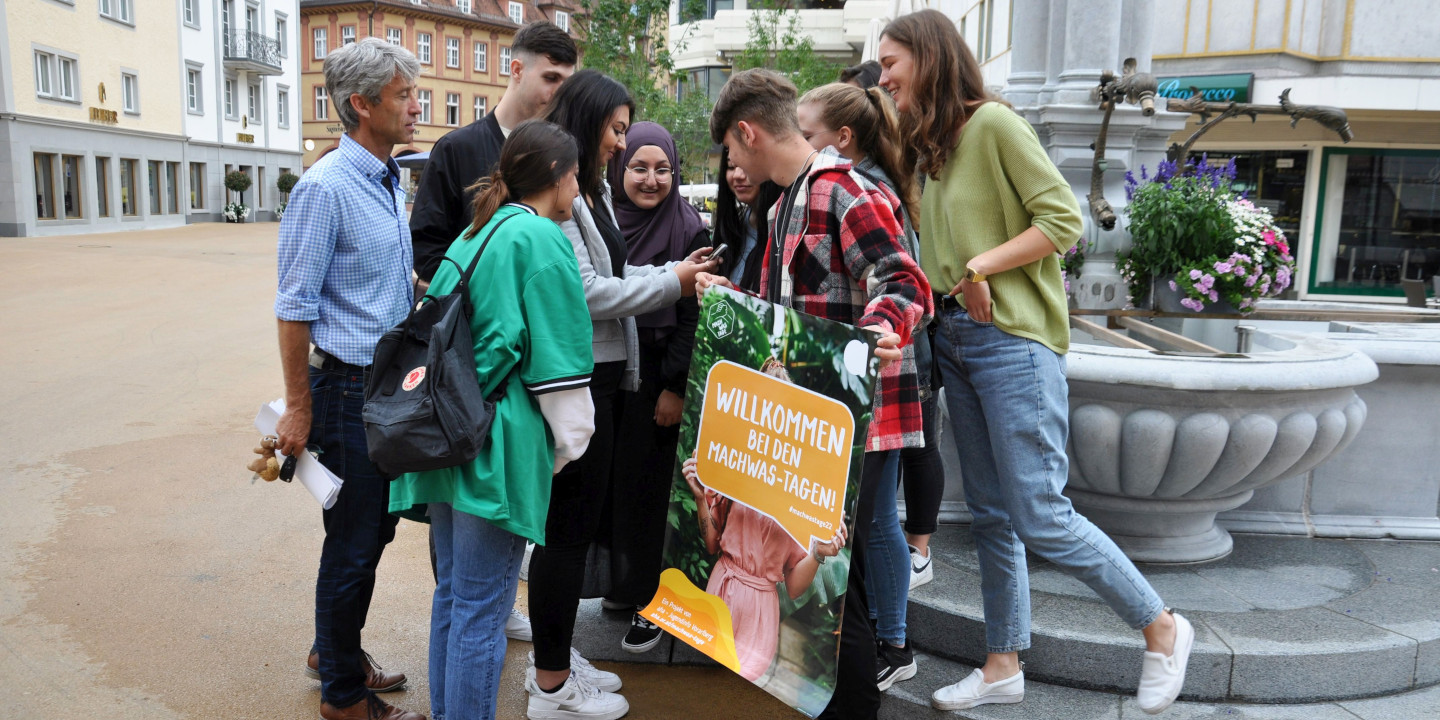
315,477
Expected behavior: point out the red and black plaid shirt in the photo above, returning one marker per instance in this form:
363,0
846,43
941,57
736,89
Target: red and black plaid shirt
846,262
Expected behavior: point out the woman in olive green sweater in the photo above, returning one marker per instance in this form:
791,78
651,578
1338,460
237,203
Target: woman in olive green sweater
994,216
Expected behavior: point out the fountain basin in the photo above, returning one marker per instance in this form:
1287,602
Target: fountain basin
1162,442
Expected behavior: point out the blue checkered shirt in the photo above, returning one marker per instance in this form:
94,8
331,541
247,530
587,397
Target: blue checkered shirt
345,253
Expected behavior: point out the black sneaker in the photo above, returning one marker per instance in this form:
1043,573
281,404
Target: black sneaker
893,664
643,635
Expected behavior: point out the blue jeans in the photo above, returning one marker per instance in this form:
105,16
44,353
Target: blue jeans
1009,410
478,568
887,571
357,529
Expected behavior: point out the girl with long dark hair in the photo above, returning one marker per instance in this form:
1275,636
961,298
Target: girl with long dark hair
531,339
995,215
597,111
741,207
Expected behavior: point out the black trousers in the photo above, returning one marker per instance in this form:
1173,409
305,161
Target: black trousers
856,694
577,502
923,474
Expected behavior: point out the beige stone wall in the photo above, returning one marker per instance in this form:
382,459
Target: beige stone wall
150,48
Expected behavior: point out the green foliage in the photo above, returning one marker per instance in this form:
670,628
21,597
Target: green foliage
778,42
1175,219
625,40
286,182
237,181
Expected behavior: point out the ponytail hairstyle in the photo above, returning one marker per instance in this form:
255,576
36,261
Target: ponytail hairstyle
947,86
870,115
535,156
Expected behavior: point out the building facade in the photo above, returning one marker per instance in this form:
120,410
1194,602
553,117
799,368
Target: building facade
111,116
463,47
240,80
1363,215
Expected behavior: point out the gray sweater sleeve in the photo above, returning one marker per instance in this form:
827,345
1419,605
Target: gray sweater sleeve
611,298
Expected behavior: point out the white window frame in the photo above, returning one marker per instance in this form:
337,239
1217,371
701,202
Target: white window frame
130,92
481,106
121,11
321,42
505,59
517,12
452,109
322,103
347,35
395,36
230,102
464,6
282,106
282,31
482,55
190,12
44,76
254,102
452,52
194,91
562,20
424,98
53,67
422,48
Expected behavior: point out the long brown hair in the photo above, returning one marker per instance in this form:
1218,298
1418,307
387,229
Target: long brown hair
870,114
535,156
945,89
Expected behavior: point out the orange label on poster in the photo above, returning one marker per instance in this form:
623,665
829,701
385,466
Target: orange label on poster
777,447
695,616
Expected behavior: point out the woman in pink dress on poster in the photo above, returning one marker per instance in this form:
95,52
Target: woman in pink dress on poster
755,554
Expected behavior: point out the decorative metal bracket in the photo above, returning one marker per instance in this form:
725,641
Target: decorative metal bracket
1332,118
1131,86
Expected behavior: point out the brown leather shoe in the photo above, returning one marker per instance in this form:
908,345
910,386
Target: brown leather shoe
371,708
376,679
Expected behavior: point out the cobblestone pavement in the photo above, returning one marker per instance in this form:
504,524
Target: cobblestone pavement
142,573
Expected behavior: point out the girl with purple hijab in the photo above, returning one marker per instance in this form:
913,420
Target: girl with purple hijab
659,227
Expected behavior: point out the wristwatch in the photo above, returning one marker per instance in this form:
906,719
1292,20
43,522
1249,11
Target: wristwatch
973,276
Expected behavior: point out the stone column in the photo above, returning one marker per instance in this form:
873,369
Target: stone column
1028,58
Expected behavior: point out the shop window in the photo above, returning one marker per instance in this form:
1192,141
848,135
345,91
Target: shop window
127,187
1378,221
261,189
102,186
155,186
172,188
70,168
45,186
197,186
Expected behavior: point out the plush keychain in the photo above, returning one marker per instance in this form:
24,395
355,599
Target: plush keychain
266,466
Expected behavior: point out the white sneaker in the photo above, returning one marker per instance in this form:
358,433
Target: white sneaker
921,571
1162,676
600,679
575,700
517,626
973,690
525,563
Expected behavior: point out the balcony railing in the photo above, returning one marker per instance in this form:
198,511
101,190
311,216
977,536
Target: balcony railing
253,52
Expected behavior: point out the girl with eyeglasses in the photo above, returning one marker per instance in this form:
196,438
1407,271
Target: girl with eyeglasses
660,227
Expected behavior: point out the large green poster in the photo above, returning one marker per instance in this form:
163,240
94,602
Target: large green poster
766,480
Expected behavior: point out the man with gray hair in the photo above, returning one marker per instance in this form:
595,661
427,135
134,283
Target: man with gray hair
344,267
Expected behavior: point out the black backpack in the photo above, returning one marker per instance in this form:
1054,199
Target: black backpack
424,407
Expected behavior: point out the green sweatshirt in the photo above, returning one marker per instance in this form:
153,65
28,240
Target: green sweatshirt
997,184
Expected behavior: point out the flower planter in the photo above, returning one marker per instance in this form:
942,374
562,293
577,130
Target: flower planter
1168,300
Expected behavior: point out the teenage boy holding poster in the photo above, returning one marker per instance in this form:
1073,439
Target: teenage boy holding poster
834,253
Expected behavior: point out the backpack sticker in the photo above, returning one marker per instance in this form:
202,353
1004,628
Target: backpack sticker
413,378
